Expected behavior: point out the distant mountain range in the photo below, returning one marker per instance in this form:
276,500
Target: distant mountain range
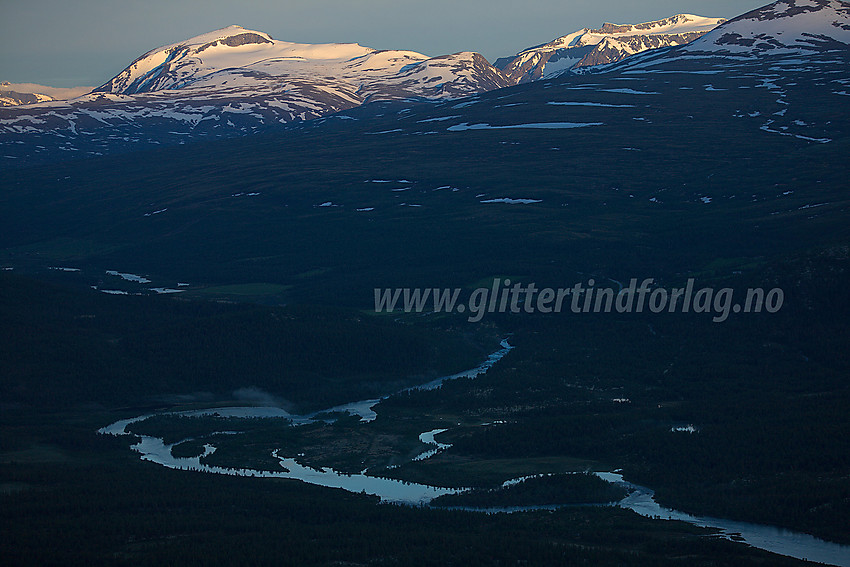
234,81
309,80
14,94
235,61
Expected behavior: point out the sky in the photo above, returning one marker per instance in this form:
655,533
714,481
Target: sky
69,43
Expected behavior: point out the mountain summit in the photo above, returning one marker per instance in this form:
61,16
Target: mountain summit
608,44
784,26
235,59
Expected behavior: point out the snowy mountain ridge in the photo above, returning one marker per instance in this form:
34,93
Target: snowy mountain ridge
233,57
608,44
784,26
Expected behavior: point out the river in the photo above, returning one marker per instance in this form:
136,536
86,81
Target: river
640,499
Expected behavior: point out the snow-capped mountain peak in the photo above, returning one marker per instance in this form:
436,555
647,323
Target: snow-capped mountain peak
237,58
188,63
608,44
795,25
244,62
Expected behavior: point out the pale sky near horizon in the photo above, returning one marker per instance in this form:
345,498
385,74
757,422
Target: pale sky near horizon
65,43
